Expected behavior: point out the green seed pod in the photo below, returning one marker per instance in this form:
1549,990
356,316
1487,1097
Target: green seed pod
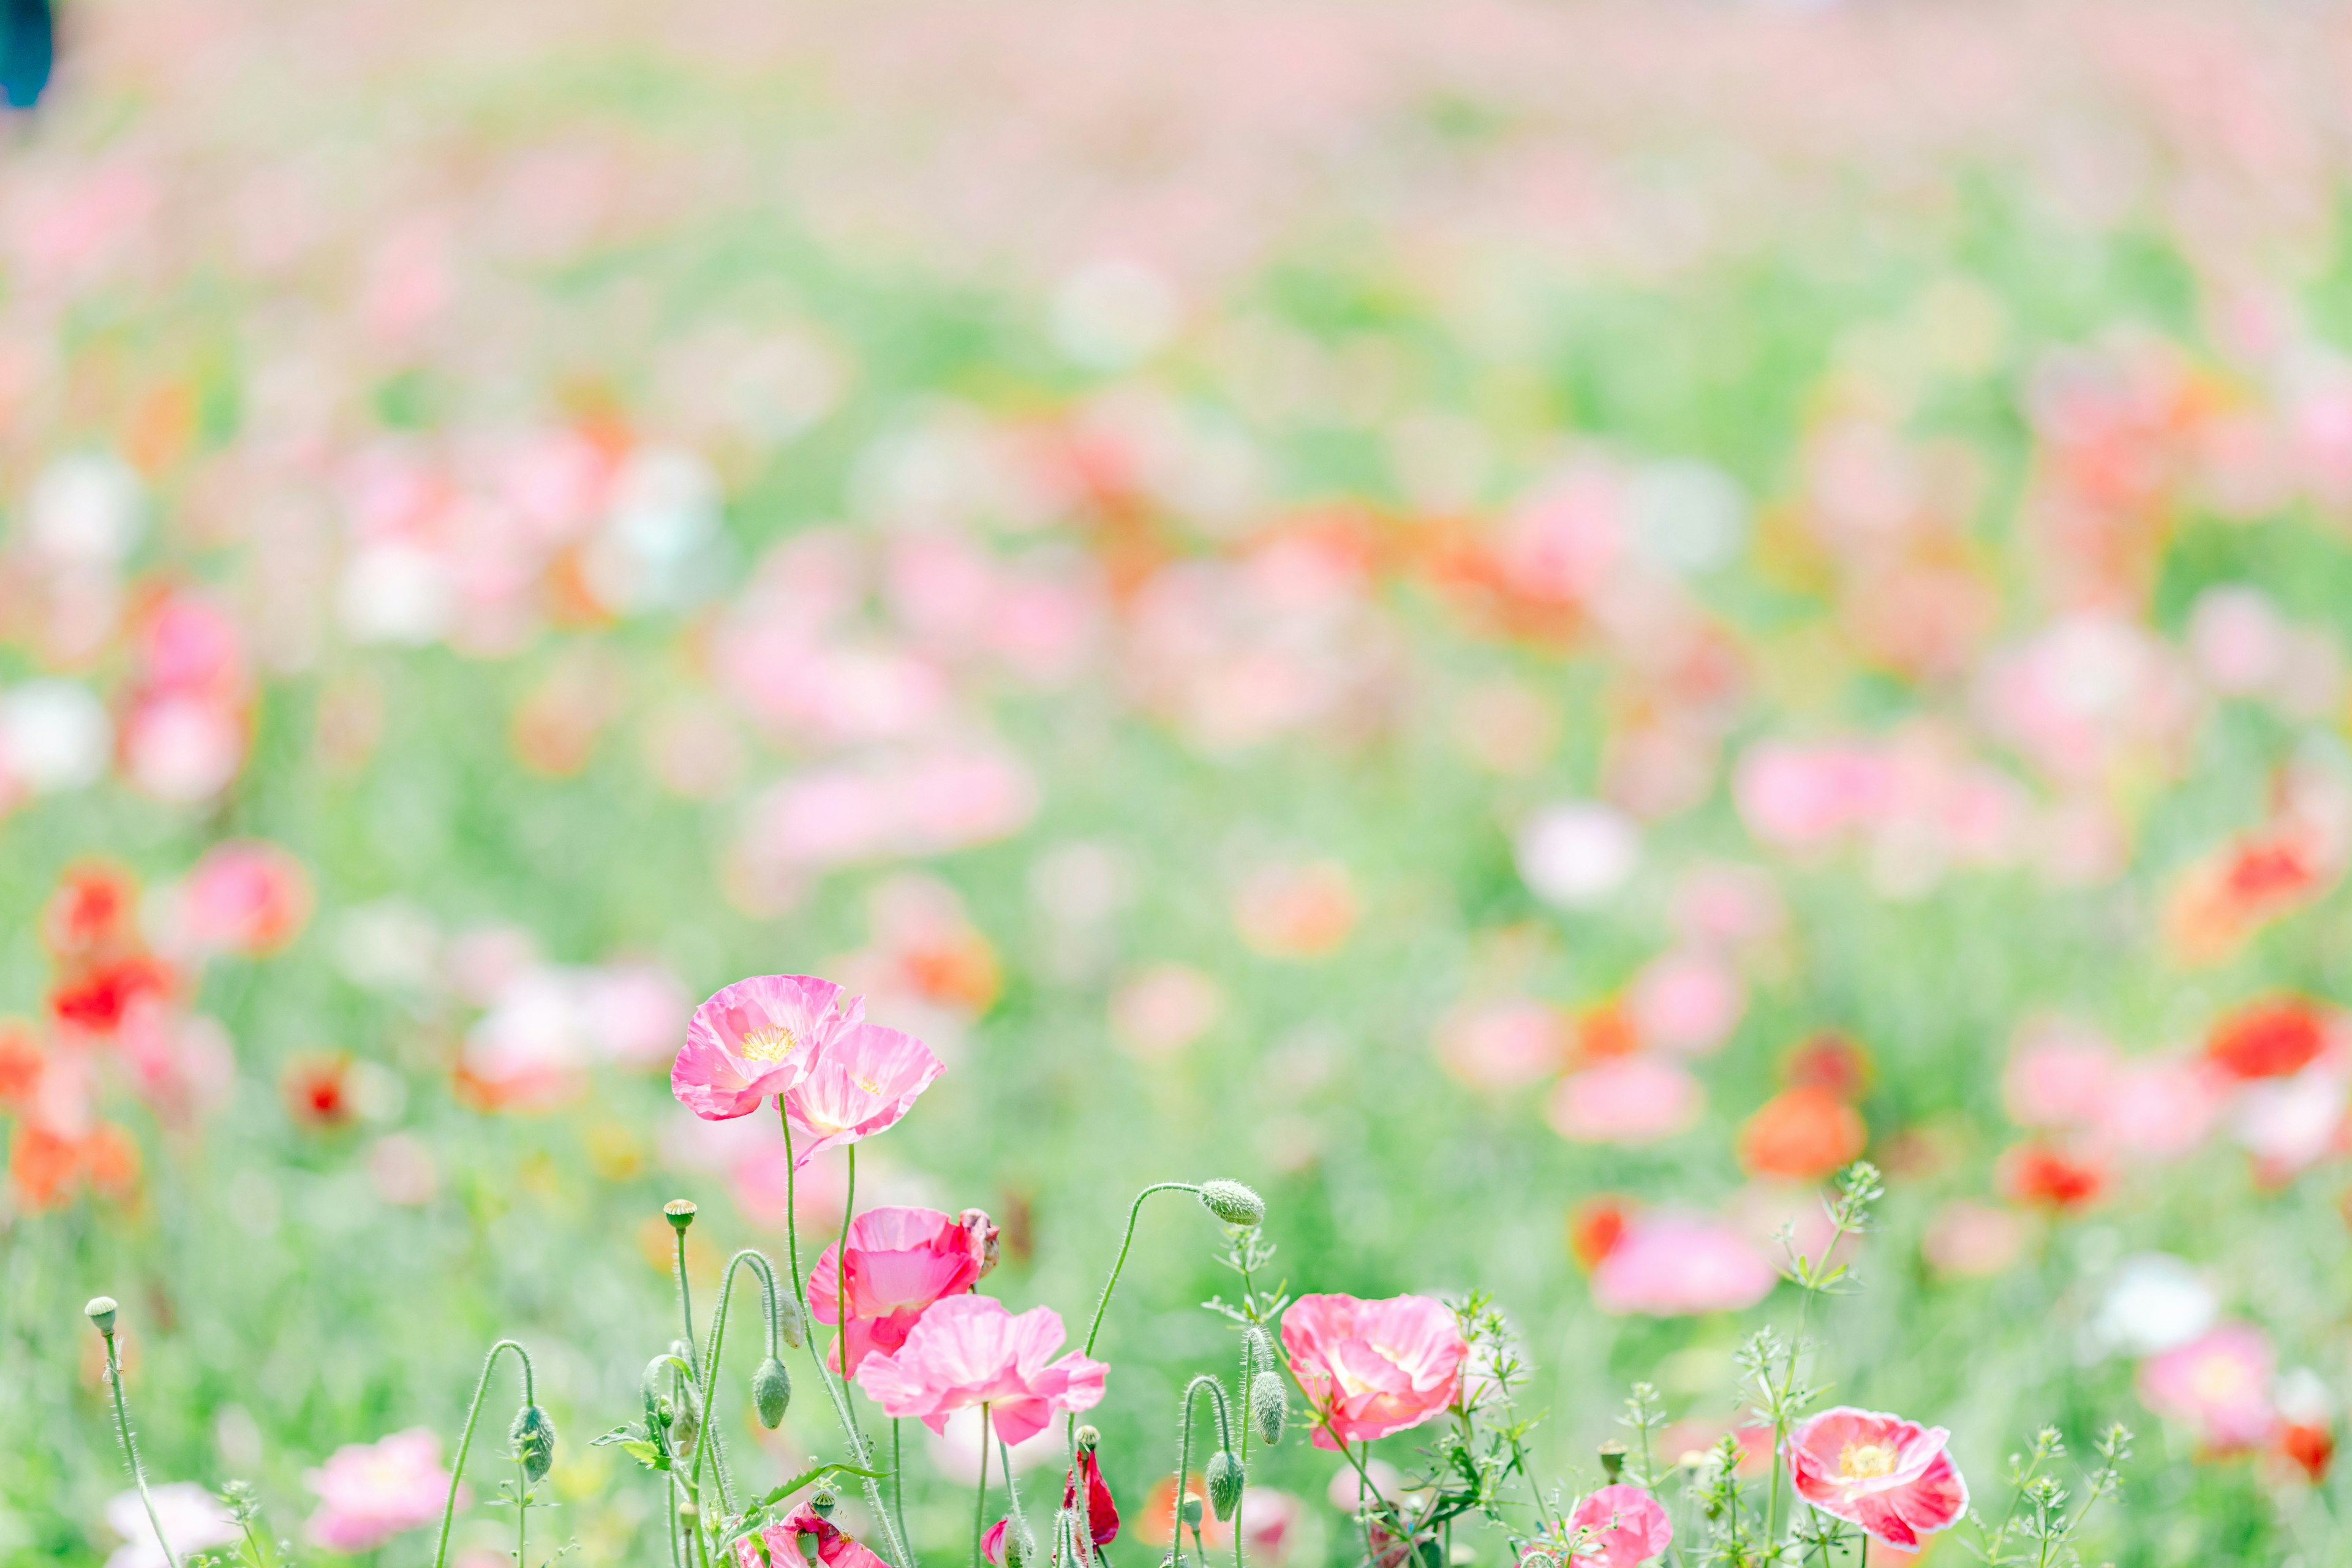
681,1213
771,1393
1192,1511
1231,1202
1613,1459
1269,1406
822,1502
101,1313
533,1439
1225,1476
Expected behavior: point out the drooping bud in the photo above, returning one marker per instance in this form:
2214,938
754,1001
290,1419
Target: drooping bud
1191,1512
983,1233
533,1439
1016,1555
681,1213
101,1313
822,1502
686,1417
1613,1459
1269,1406
1224,1476
1088,1439
1231,1202
771,1393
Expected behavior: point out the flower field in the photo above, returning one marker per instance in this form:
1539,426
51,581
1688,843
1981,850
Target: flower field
1645,706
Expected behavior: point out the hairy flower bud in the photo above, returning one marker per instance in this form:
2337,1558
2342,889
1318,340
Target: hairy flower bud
681,1213
983,1233
101,1313
772,1391
533,1437
1231,1202
685,1418
1269,1406
1016,1555
1225,1476
788,1321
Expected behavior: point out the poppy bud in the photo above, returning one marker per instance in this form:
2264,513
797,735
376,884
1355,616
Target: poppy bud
533,1437
1613,1459
681,1213
1015,1556
1191,1512
1269,1406
1225,1476
1231,1202
101,1313
788,1321
772,1391
685,1418
983,1233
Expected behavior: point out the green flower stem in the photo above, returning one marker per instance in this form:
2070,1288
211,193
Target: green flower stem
1184,1459
466,1439
752,1259
841,1287
130,1446
898,1480
1012,1493
839,1395
980,1494
522,1515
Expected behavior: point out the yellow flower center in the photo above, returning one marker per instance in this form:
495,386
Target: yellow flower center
773,1044
867,1084
1865,1461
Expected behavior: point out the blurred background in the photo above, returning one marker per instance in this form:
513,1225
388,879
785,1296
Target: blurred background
1527,626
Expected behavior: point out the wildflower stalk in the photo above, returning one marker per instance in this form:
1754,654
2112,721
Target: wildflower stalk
980,1494
1858,1188
101,1311
841,1284
837,1393
1013,1495
752,1259
466,1439
523,1514
1184,1453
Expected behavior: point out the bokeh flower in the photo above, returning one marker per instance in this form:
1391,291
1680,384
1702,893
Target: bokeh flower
370,1492
2218,1384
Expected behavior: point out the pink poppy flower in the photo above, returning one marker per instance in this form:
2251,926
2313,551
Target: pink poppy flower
783,1539
862,1080
900,1261
370,1492
969,1350
1370,1368
1891,1477
1672,1266
250,898
756,1039
1501,1045
1626,1099
2219,1383
1627,1526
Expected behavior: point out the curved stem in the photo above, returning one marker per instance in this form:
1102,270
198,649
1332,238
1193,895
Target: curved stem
131,1449
1102,1302
980,1494
466,1439
841,1284
758,1263
838,1396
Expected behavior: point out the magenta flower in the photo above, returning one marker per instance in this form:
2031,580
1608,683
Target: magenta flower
862,1080
1370,1368
833,1549
755,1039
1889,1475
901,1262
1625,1524
969,1350
370,1492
